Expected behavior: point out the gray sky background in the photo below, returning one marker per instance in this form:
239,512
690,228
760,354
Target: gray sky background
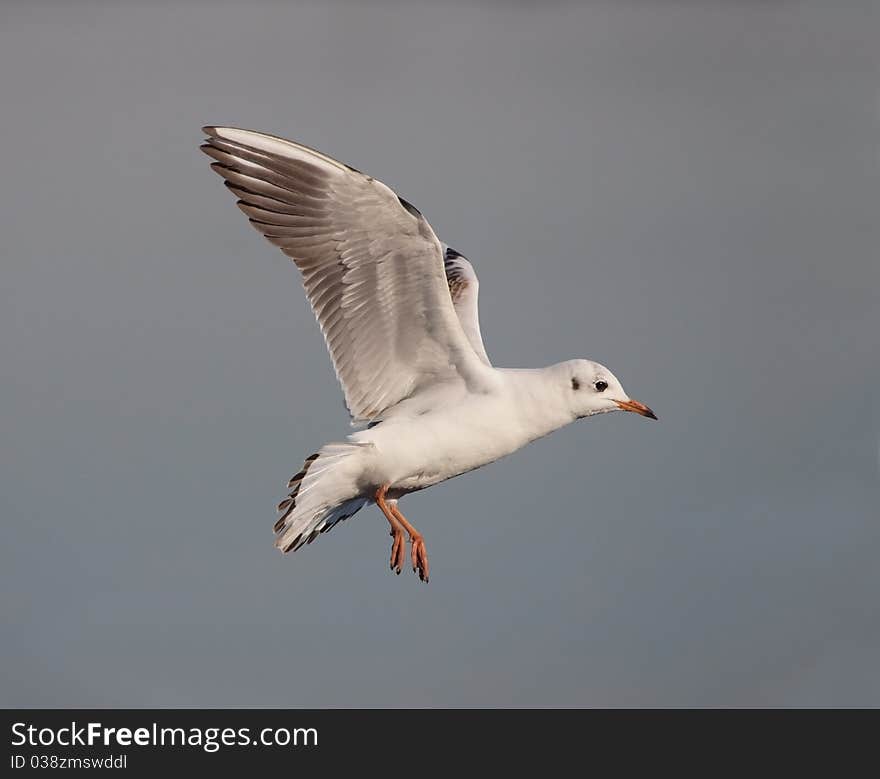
685,191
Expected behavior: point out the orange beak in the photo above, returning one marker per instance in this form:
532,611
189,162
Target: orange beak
636,408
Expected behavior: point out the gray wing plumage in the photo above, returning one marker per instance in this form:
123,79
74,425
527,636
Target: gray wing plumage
464,288
372,267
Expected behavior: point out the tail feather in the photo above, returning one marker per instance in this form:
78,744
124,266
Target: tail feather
321,495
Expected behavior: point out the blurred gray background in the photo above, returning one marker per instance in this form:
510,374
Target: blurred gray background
685,191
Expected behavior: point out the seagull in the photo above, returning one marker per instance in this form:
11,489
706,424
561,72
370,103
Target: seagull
398,311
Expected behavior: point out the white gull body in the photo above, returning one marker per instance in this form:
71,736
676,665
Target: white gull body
399,313
454,430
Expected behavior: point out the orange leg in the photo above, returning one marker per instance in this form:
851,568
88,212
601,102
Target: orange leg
398,545
419,552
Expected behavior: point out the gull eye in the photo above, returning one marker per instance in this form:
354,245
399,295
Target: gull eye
601,386
575,384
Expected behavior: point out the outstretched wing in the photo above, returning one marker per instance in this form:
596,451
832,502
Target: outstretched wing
372,267
464,288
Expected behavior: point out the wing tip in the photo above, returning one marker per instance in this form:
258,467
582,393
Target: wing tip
216,130
227,133
269,143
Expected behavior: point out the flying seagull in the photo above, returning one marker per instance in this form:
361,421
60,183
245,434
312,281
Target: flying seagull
398,310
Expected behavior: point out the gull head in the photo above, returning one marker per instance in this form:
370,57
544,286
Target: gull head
592,389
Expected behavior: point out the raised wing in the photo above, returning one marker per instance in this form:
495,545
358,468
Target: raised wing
371,264
464,288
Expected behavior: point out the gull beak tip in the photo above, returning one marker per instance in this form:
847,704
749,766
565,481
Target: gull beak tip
635,407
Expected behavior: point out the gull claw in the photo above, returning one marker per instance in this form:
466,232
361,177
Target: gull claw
398,551
420,558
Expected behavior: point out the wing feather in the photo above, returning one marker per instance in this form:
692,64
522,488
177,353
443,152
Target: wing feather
371,265
464,289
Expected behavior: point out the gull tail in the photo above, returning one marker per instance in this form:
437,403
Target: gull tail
322,494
